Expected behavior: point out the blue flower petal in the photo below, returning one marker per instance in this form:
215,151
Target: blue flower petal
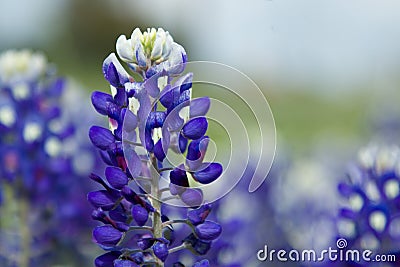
116,177
199,106
107,259
106,235
179,177
101,102
203,263
101,137
124,263
198,216
192,197
101,199
208,230
161,250
195,128
209,174
140,215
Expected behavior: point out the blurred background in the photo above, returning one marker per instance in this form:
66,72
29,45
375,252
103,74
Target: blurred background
323,66
329,69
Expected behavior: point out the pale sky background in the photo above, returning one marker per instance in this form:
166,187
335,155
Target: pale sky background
329,45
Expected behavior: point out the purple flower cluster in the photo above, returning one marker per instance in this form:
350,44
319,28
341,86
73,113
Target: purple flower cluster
150,118
371,218
38,173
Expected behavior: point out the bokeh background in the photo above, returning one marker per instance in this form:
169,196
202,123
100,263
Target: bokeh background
329,69
323,66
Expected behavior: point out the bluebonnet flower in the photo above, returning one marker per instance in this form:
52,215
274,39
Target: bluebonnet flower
38,171
370,216
149,119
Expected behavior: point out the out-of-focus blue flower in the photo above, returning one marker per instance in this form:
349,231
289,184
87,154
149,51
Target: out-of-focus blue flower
370,218
39,154
148,120
305,204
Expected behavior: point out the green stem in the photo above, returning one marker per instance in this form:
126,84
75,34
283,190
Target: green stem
175,249
155,192
171,222
25,233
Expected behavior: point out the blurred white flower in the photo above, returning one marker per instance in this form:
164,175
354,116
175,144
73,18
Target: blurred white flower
21,65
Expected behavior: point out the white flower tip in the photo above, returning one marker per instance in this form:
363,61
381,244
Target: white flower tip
124,49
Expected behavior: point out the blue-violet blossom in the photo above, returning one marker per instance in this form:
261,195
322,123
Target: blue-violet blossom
371,217
38,172
150,118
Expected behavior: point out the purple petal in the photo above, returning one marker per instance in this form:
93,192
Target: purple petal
195,128
98,179
155,119
121,97
101,101
101,137
199,107
133,161
174,121
115,75
105,156
166,138
159,151
106,235
345,189
140,215
167,96
176,189
121,226
130,121
179,177
130,195
118,214
124,263
347,213
148,140
184,83
111,75
140,57
198,216
203,263
101,199
208,230
145,242
161,250
99,215
208,174
182,143
116,177
196,152
192,197
151,85
107,260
